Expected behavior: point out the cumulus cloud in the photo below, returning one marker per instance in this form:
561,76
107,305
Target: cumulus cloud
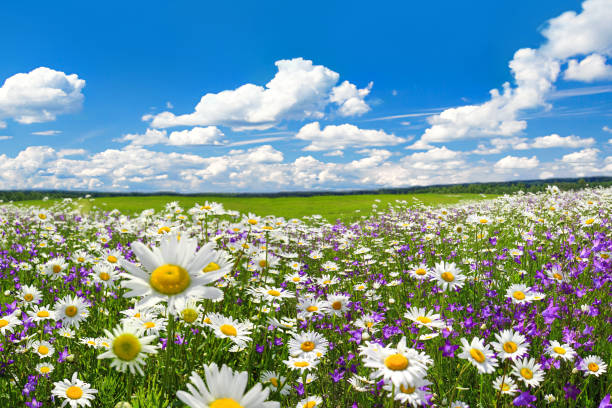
195,136
435,154
581,156
512,162
591,68
47,132
6,137
534,72
299,90
40,95
339,137
498,145
606,129
554,140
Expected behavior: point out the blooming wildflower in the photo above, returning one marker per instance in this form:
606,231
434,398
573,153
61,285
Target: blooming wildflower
224,388
593,365
562,351
528,371
30,295
505,385
44,368
337,304
510,344
398,364
230,328
276,382
420,272
8,323
519,293
105,274
424,318
301,363
74,392
479,354
448,276
43,348
128,348
71,311
55,267
173,271
410,393
309,344
310,402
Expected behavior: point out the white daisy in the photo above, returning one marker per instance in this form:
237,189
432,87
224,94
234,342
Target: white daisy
74,392
510,344
71,311
593,365
448,276
128,348
528,371
479,354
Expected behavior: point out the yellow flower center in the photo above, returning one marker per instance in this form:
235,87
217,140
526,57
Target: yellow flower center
510,347
296,279
369,324
42,216
557,276
310,404
307,346
504,387
447,276
170,279
593,367
163,230
301,364
149,325
43,350
71,311
274,292
312,308
80,259
396,362
228,330
45,370
263,263
337,305
43,313
74,392
211,267
274,381
424,319
104,276
483,220
420,272
111,259
127,347
252,221
28,297
189,315
526,373
407,389
57,269
3,323
559,350
477,355
518,295
589,221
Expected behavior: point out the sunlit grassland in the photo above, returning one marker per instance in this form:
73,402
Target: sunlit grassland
330,207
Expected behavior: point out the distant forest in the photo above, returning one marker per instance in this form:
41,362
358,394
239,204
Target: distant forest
507,187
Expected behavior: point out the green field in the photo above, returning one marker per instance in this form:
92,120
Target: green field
331,207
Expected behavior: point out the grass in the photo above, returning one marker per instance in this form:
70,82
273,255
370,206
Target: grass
331,207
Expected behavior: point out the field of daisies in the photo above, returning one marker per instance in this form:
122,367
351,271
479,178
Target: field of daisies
498,303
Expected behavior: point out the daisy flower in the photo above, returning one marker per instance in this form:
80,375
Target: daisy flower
479,354
420,272
337,304
44,368
448,276
188,310
410,393
74,392
277,382
301,363
274,294
510,344
593,365
55,267
71,311
128,348
41,313
172,271
43,348
400,364
424,318
224,388
309,344
528,371
105,274
310,402
30,294
8,323
519,293
309,307
229,328
112,256
562,351
505,385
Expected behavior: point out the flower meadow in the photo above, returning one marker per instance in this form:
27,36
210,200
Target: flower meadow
496,303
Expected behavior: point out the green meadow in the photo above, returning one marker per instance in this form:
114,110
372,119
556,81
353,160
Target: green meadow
331,207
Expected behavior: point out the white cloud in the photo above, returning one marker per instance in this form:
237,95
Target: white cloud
512,162
591,68
6,137
40,95
581,156
555,140
71,152
194,136
606,129
339,137
299,90
534,72
546,175
350,99
47,132
435,154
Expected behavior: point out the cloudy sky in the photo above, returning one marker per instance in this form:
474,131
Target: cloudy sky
266,96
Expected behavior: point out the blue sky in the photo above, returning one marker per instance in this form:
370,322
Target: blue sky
270,96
